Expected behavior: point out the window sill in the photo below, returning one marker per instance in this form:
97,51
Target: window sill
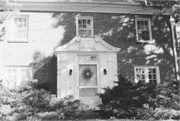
146,42
18,41
85,36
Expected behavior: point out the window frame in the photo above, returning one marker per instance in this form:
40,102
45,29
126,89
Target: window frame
18,73
91,27
12,25
149,27
146,73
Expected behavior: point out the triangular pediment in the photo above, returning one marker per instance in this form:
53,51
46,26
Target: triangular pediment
87,44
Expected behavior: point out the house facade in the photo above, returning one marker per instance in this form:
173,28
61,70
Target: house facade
132,42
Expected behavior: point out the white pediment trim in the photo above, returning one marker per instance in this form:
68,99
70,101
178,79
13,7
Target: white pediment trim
63,47
97,38
93,44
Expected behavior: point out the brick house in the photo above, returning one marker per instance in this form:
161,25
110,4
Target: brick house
143,44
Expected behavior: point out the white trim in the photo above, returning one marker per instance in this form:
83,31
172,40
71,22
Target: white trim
1,60
78,39
98,81
18,66
149,27
146,67
88,53
96,7
175,54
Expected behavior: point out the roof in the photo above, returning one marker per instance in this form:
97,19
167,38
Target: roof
87,1
100,6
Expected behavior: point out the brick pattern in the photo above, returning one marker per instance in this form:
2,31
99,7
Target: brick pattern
119,31
46,73
116,29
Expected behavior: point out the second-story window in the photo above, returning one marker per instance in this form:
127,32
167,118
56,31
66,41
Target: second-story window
84,26
19,28
143,30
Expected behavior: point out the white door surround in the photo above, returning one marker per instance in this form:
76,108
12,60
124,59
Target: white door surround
85,65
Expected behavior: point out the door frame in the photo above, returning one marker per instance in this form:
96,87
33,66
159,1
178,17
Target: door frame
98,82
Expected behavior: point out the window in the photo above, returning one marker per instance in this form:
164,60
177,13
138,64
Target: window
17,76
143,30
147,74
84,26
19,28
178,43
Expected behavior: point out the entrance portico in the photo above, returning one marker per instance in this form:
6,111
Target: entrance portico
85,66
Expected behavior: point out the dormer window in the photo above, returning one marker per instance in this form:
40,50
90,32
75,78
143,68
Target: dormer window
84,26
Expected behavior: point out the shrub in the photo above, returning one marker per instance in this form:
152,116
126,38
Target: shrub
123,100
34,104
38,100
50,116
167,101
9,97
69,108
11,104
141,101
41,85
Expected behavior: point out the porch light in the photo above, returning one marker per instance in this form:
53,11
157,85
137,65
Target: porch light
105,71
103,91
70,72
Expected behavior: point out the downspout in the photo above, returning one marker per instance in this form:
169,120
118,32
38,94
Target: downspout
174,48
1,54
1,59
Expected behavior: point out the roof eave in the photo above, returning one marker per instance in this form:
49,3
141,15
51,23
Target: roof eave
86,7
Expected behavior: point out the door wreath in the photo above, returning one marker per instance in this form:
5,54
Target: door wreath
87,73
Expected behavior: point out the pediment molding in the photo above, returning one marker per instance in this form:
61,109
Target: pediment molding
87,44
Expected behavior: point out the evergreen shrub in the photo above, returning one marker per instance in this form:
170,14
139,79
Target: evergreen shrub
141,100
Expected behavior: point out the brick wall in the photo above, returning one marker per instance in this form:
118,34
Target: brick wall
49,30
119,31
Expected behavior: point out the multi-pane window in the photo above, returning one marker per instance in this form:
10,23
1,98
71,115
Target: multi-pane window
19,30
84,26
17,76
147,74
143,30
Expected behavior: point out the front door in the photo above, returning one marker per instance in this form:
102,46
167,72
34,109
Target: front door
88,84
